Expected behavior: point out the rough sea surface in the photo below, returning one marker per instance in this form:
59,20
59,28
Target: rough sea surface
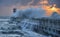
6,30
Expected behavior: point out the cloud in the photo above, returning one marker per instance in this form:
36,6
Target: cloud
6,6
26,2
51,2
14,2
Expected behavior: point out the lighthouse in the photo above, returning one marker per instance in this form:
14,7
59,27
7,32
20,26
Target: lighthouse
14,10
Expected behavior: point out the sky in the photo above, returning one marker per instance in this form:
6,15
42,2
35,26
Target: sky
6,6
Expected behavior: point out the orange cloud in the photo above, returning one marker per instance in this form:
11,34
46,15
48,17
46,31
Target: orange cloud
49,8
45,5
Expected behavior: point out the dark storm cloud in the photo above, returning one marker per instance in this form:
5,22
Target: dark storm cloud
20,2
57,2
25,2
14,2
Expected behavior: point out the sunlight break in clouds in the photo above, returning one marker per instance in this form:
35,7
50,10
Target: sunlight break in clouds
43,4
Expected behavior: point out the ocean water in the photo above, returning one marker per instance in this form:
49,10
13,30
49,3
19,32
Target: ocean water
7,31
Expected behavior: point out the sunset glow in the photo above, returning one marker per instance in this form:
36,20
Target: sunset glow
49,8
45,5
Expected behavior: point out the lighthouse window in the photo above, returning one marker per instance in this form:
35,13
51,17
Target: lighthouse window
58,22
42,27
53,30
49,29
46,28
58,32
55,23
50,21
